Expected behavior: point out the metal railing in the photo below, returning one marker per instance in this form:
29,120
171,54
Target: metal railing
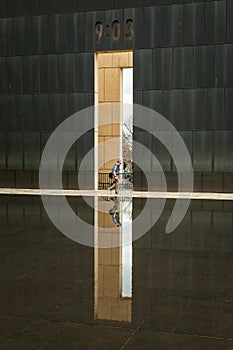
104,181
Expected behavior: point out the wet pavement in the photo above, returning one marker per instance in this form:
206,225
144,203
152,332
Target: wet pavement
56,294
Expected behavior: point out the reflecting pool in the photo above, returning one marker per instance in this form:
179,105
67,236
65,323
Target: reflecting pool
162,291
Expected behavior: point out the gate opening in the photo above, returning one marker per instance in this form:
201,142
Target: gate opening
113,266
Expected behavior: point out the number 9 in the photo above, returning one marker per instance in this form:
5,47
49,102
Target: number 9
98,31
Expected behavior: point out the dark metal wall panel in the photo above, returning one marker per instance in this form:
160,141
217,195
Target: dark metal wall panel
152,27
228,109
89,99
70,162
48,6
4,112
2,8
193,109
135,29
11,113
23,179
229,67
28,7
187,137
229,36
58,109
7,104
6,36
66,74
220,65
53,73
142,3
40,35
183,67
85,5
95,42
3,151
202,150
15,75
85,72
44,136
10,8
75,103
223,150
15,151
65,33
23,112
31,151
57,33
173,25
153,99
142,72
22,36
44,73
161,154
204,66
31,74
162,68
40,120
224,67
75,32
137,97
193,24
103,5
15,121
110,18
144,138
215,22
214,108
172,107
3,74
123,4
66,6
228,184
84,144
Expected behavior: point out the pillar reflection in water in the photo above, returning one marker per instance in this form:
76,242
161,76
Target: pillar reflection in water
113,266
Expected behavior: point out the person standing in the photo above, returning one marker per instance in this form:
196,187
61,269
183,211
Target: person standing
115,177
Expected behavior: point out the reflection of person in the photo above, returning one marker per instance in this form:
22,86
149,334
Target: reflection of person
116,218
114,212
115,177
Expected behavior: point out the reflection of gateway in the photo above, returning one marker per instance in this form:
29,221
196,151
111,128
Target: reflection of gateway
113,266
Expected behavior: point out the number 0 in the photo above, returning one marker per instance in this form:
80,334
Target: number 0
116,30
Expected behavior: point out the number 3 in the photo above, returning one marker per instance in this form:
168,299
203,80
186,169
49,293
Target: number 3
129,25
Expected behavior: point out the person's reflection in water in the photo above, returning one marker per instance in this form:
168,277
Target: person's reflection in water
114,212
